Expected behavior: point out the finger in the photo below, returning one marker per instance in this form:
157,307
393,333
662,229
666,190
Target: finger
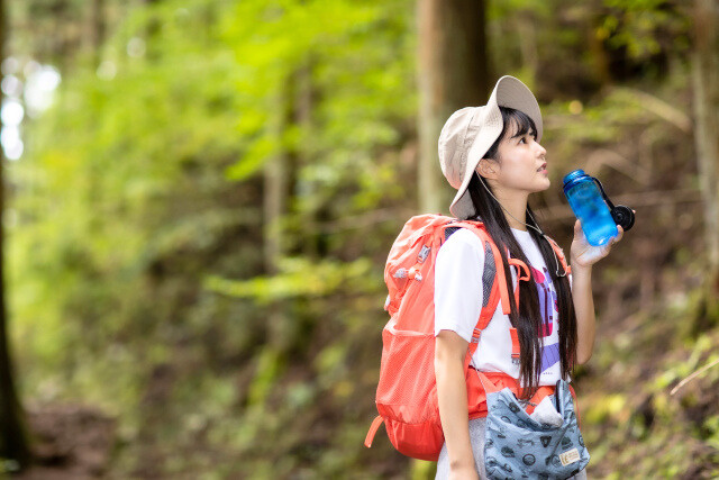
618,237
579,234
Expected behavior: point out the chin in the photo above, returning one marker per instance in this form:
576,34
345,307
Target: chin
544,186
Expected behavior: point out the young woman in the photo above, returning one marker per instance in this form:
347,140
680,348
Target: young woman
492,155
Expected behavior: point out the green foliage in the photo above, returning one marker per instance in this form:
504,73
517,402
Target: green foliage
136,256
129,234
651,430
645,27
299,277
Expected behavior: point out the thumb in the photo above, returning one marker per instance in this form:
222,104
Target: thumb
578,227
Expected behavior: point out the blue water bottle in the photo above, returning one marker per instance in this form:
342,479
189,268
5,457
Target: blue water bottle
598,216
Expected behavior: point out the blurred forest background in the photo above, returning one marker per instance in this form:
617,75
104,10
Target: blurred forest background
200,196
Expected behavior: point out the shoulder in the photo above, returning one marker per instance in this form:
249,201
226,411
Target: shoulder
462,250
462,241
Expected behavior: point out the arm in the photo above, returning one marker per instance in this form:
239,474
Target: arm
583,256
450,350
458,303
584,311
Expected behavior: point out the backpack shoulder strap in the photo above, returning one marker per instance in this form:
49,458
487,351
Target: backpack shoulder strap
560,255
499,292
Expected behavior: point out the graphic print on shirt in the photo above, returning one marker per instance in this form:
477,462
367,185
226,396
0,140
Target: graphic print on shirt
550,356
548,301
548,311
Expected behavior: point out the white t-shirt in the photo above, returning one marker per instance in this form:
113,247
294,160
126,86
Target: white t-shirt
459,298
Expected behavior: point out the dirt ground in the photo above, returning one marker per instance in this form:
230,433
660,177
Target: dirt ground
70,442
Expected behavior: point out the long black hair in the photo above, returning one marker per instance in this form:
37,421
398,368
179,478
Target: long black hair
527,319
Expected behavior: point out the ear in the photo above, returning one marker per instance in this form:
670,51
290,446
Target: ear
487,168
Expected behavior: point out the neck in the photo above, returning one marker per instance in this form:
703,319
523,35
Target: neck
514,205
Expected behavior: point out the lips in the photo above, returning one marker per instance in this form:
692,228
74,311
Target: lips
543,167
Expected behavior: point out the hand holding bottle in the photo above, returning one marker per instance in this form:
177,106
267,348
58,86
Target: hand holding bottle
582,254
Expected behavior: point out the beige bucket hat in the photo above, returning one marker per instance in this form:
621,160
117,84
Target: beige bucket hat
470,132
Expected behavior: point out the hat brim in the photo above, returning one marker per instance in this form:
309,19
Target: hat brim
508,92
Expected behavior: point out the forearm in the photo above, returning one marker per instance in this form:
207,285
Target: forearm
583,256
452,401
584,311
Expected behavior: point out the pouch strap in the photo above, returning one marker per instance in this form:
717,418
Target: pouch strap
542,392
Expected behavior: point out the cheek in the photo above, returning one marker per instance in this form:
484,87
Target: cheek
516,172
521,175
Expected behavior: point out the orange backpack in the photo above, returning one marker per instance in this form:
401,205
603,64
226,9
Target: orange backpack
407,393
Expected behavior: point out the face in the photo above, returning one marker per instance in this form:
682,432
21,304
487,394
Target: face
521,164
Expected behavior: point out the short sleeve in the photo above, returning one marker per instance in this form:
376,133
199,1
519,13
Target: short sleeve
458,284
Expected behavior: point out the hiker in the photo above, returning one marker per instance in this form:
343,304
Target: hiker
492,156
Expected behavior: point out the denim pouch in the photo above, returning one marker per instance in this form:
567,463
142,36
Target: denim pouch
517,446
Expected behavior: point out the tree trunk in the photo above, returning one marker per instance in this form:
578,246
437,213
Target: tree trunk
705,105
453,73
275,207
293,108
526,22
14,440
97,29
275,199
280,177
705,101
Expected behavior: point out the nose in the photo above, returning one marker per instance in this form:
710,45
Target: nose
540,150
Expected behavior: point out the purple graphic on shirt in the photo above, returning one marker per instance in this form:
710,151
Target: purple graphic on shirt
550,356
548,301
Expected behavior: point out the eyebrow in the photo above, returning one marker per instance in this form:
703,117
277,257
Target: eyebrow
522,134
